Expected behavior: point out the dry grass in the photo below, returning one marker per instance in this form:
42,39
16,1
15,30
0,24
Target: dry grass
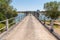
56,26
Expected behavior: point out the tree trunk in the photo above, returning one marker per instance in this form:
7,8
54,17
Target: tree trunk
52,24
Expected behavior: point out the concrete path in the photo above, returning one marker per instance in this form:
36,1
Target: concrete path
29,29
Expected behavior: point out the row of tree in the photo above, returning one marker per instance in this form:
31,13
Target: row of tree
6,10
52,11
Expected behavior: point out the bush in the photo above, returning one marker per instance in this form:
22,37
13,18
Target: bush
2,17
2,25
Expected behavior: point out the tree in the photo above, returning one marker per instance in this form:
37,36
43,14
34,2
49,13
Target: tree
6,9
2,17
52,11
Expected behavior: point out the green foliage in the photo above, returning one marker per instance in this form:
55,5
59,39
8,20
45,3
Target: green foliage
52,9
1,25
6,10
2,17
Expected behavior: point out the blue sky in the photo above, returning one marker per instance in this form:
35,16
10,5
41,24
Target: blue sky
29,5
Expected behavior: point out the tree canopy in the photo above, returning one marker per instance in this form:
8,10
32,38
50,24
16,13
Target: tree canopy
6,10
52,9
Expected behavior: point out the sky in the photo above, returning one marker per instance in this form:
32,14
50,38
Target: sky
29,5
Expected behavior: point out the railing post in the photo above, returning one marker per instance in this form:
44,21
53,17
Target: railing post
7,24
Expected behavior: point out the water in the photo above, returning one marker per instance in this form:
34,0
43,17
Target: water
19,17
22,15
41,17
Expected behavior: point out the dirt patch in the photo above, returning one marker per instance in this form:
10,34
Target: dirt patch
57,30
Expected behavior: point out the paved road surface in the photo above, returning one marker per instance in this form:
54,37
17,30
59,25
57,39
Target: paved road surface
29,29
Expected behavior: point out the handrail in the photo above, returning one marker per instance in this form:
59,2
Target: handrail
11,23
2,21
5,20
54,33
7,27
3,27
57,35
11,18
7,23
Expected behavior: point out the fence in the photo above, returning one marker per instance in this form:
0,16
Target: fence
6,24
54,33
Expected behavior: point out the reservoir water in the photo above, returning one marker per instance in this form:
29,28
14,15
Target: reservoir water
22,15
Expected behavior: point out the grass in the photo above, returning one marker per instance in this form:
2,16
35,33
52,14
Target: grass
1,26
56,26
